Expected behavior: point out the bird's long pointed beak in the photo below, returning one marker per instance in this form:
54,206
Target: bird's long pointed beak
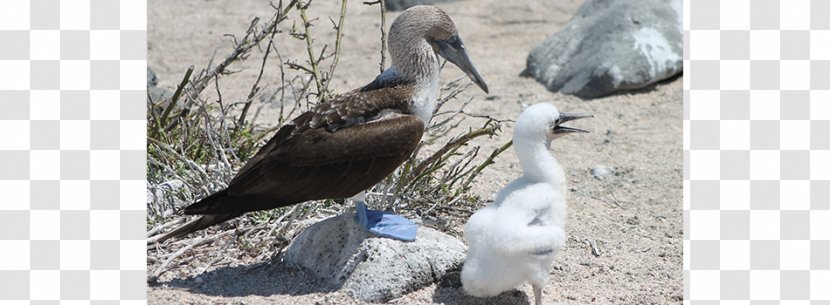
453,50
560,130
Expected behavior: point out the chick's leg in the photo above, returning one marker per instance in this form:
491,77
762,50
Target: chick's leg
537,294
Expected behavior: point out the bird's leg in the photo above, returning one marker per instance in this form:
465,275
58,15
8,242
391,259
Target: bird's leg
360,209
537,293
383,224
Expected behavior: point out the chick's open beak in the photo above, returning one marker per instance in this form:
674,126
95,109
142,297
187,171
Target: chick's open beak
454,51
559,130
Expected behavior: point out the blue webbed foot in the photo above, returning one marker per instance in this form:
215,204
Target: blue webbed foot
385,224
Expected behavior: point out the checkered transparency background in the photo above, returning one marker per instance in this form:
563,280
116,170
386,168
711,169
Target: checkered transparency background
757,146
72,151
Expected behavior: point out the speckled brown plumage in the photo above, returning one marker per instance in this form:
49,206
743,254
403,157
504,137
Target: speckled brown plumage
334,151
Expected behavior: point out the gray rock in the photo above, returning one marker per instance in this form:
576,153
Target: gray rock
158,95
611,46
601,170
373,269
399,5
152,79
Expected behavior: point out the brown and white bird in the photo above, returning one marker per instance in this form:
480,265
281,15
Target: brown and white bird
344,146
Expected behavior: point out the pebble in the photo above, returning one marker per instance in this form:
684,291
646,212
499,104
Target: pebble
601,171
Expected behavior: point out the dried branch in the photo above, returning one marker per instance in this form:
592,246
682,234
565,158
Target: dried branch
339,35
382,31
176,94
242,47
490,160
310,48
255,86
453,144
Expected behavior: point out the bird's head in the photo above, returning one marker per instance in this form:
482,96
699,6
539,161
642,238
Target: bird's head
428,23
544,121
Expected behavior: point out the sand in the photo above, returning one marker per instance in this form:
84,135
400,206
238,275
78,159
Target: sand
633,216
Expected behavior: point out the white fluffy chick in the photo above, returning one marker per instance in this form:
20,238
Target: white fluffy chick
514,239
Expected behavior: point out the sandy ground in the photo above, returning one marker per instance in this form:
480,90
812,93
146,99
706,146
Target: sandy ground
633,216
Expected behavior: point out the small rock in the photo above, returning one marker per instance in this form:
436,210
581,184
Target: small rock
158,95
601,171
152,79
611,46
199,280
343,254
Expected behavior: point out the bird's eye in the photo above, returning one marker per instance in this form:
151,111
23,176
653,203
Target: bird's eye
556,122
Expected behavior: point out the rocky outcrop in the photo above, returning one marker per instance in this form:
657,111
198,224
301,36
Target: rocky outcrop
373,269
611,46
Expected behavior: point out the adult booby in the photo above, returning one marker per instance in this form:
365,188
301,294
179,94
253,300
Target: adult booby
342,147
514,239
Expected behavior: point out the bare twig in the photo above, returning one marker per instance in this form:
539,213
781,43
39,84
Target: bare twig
219,255
174,100
487,162
382,32
255,86
251,39
339,35
382,35
454,143
310,48
180,252
157,229
593,245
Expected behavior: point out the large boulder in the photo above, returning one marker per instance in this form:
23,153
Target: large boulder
373,269
610,46
399,5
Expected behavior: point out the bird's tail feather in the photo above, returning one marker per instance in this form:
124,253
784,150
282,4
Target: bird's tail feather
207,205
195,225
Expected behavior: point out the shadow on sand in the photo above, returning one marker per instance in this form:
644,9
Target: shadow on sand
450,292
279,279
263,279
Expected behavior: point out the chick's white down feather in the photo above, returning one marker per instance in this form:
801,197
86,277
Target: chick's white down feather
514,239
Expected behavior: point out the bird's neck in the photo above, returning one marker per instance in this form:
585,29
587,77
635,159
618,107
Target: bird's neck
418,63
537,162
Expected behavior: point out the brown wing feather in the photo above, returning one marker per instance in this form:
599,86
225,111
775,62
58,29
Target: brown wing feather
334,151
317,164
360,105
283,134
